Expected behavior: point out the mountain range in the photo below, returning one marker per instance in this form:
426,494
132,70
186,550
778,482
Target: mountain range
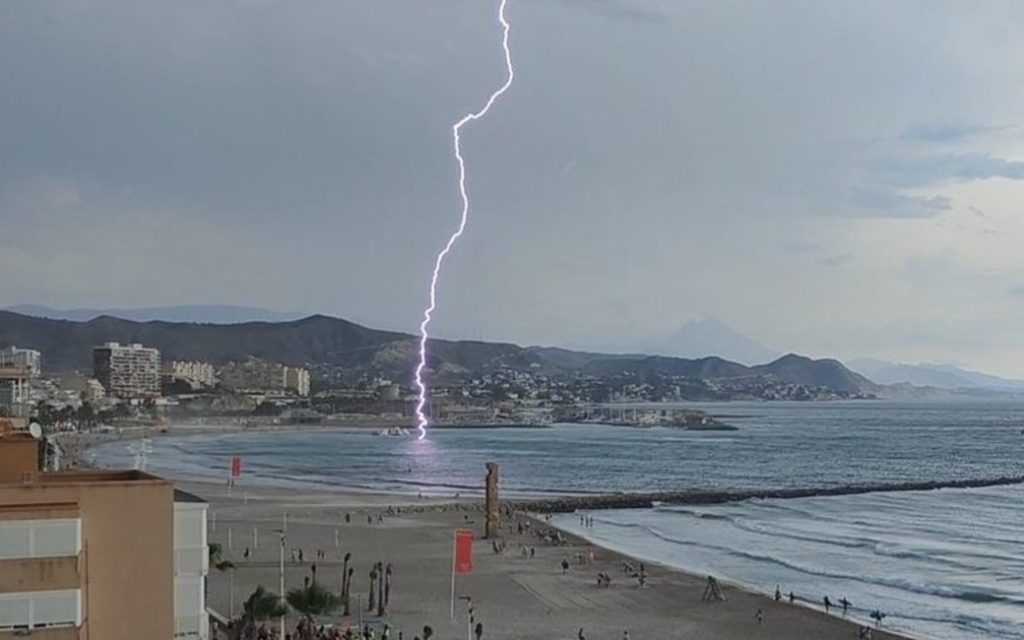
939,376
333,342
212,313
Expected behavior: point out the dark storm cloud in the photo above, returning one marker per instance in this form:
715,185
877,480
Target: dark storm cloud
618,9
949,132
892,204
917,171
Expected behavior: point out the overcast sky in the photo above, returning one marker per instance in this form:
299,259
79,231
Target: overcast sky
841,178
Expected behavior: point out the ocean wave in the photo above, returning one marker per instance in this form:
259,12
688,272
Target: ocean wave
902,584
923,588
871,545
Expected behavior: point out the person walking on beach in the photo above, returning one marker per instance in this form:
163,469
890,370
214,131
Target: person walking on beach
828,604
792,598
565,566
580,636
712,592
778,594
759,615
846,605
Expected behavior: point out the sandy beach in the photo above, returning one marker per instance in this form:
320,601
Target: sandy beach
513,596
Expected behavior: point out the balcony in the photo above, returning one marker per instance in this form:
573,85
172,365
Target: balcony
40,612
46,538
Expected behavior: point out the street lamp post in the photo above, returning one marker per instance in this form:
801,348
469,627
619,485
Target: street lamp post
281,580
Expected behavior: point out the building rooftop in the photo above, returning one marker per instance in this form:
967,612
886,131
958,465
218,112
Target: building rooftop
185,496
96,477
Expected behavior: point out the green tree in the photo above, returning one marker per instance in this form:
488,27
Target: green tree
260,606
217,559
266,408
43,414
344,575
313,600
86,415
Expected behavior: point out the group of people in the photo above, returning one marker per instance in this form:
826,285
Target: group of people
305,631
864,631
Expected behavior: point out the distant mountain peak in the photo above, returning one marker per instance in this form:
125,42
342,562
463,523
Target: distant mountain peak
703,337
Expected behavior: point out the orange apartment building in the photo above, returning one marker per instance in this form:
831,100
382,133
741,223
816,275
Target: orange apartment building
84,555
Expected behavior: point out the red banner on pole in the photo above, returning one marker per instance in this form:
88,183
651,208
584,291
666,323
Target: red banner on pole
463,551
236,467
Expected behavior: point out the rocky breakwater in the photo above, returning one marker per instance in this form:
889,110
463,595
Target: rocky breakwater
640,417
647,500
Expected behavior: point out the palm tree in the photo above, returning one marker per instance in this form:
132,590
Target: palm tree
380,589
313,600
344,575
260,606
217,559
387,586
372,604
348,589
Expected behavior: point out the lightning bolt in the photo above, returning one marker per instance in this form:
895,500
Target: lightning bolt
421,418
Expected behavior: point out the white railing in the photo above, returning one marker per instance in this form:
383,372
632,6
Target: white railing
41,609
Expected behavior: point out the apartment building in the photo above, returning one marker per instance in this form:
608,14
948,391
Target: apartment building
191,567
258,375
15,391
128,371
97,555
296,380
195,373
28,359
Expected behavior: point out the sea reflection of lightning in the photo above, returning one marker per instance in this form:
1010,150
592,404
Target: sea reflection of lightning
421,418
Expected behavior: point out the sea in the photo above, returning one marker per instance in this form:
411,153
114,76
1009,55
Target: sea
945,564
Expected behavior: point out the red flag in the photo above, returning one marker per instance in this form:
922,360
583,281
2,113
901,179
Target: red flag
236,467
463,551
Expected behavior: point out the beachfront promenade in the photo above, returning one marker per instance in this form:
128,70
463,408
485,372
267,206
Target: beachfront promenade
514,597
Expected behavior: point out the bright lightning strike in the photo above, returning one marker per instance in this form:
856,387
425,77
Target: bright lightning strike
421,418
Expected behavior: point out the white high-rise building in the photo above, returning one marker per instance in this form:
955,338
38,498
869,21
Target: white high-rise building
297,380
127,371
29,359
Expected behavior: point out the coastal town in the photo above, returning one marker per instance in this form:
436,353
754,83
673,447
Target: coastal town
132,384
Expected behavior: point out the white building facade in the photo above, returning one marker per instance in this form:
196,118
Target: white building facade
28,359
191,566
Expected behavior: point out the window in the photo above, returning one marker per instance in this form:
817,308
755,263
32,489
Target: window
40,538
39,609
